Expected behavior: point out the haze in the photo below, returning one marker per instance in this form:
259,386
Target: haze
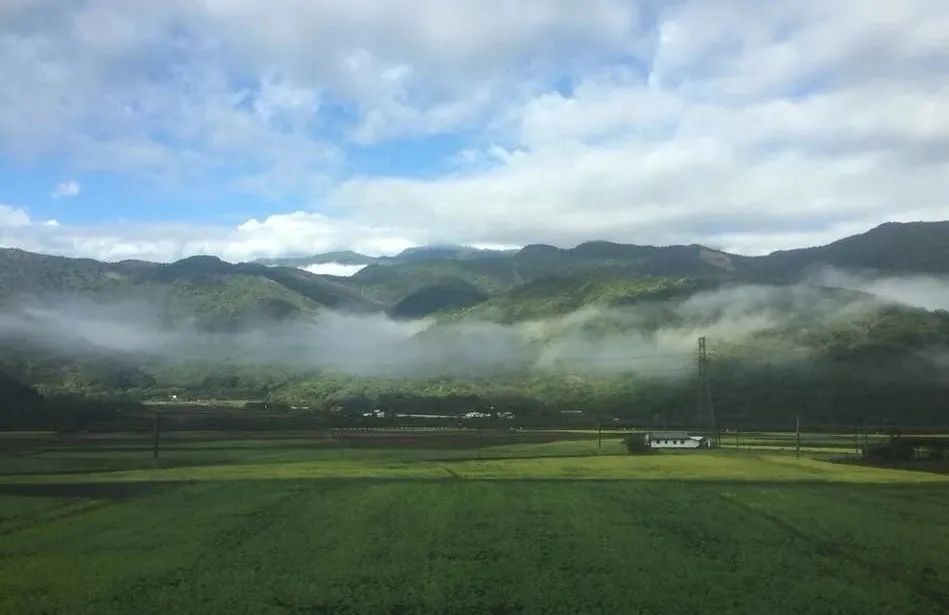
653,338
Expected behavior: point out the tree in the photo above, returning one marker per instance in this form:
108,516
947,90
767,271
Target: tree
637,444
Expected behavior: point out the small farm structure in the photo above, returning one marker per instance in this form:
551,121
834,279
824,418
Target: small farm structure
677,439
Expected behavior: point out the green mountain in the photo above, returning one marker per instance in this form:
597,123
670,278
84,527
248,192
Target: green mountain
343,257
390,284
409,255
25,273
691,260
921,247
422,281
911,247
442,296
204,288
601,327
501,272
557,296
446,252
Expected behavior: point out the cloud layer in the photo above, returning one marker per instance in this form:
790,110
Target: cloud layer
741,125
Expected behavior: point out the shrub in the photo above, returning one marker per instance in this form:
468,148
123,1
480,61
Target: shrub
636,444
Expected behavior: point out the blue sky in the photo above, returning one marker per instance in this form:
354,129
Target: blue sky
160,129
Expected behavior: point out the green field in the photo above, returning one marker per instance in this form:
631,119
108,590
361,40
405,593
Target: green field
459,523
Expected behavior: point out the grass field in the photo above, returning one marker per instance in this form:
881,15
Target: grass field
459,523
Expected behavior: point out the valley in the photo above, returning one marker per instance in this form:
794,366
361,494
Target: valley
606,330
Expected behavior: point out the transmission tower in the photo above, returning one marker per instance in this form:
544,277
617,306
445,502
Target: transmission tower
705,411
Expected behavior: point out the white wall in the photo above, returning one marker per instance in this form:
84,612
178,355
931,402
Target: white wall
680,443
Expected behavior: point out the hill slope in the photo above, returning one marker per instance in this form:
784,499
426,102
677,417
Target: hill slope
541,330
912,247
201,287
557,296
421,281
920,247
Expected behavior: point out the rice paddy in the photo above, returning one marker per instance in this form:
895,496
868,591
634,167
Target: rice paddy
458,523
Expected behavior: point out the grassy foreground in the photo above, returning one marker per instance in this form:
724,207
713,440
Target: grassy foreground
283,529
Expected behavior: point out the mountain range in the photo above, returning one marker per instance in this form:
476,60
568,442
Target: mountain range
440,279
602,327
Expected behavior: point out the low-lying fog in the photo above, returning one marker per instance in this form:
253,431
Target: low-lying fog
657,338
924,291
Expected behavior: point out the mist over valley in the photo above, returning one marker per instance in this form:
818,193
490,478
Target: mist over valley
599,326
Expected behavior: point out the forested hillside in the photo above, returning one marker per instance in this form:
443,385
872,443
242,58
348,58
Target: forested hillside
202,287
602,328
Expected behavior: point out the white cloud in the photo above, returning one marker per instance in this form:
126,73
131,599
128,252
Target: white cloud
172,80
66,189
751,134
743,125
298,233
337,269
305,233
12,217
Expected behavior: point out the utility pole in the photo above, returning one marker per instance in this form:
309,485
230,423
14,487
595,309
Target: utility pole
599,436
156,437
866,439
798,447
705,412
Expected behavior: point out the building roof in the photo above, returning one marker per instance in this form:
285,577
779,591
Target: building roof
668,435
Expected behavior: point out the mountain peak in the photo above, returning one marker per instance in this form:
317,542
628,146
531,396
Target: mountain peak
195,267
538,249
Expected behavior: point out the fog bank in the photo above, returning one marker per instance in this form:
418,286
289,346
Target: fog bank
654,338
930,292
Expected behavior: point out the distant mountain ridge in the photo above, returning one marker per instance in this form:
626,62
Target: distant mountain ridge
342,257
421,281
893,247
202,287
602,326
409,255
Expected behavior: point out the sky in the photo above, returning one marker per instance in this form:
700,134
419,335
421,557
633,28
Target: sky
159,129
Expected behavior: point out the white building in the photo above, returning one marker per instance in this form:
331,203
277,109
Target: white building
475,414
676,439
